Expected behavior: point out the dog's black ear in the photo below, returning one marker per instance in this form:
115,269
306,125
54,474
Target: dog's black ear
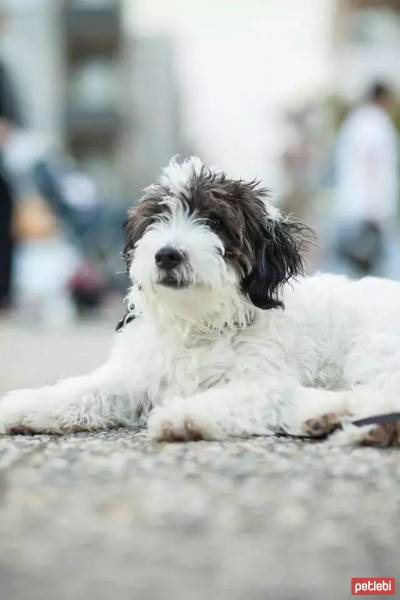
278,259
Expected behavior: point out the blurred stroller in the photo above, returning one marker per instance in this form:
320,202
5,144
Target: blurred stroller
69,238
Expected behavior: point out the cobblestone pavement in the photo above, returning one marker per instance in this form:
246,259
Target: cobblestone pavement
114,515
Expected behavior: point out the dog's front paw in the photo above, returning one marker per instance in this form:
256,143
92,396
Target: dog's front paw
20,412
168,430
178,423
323,425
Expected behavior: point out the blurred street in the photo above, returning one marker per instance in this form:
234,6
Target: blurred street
114,515
35,356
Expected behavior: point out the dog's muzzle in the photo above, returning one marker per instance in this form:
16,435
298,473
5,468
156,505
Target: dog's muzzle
168,261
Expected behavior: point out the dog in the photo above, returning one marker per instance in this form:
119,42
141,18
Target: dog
224,337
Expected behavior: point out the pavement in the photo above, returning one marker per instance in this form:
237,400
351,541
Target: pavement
113,515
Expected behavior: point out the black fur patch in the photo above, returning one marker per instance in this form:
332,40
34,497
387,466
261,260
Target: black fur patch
123,322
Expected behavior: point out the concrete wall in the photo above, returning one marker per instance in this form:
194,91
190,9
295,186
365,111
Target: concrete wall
153,135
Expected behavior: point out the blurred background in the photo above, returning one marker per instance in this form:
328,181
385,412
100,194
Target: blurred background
97,95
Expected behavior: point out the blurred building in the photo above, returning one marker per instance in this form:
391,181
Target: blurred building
93,71
125,84
107,97
153,99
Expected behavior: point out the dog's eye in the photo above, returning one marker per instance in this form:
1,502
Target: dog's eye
215,223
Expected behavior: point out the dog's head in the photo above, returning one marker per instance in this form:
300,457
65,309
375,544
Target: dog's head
198,237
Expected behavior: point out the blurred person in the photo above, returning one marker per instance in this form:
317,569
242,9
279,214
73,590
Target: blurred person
10,117
5,241
367,189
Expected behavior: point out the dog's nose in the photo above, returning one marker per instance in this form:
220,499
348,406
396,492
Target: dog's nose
167,258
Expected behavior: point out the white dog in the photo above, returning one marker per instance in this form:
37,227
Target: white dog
206,350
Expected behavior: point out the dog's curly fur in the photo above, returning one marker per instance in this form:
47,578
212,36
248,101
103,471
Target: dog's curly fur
206,351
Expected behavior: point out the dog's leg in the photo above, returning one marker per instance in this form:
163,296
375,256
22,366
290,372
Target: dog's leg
237,409
212,415
97,401
109,397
